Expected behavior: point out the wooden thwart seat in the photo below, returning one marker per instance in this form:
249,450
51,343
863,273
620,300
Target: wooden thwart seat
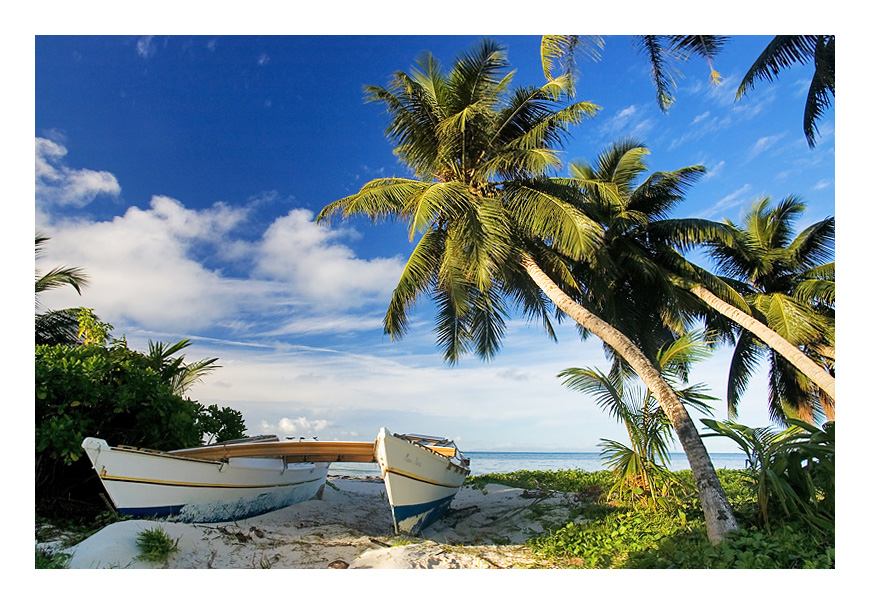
294,451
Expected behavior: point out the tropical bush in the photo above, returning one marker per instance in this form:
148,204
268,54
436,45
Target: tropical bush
793,469
114,393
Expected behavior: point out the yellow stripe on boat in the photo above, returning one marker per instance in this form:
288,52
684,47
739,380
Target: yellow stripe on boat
416,477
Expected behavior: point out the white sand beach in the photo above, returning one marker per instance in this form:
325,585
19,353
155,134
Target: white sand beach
350,527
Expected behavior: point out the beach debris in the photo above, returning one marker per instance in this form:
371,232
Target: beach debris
337,564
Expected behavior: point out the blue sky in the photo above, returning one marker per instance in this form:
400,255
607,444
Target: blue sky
184,172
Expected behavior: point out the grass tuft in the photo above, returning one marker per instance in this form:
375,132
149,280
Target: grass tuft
155,546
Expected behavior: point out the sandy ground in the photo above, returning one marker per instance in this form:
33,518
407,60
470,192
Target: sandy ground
350,527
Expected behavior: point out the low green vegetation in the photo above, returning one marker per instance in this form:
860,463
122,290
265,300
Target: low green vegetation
155,545
567,481
49,560
617,532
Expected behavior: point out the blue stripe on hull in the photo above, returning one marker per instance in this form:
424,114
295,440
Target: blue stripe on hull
414,518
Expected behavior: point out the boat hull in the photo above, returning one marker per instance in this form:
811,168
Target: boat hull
150,484
420,484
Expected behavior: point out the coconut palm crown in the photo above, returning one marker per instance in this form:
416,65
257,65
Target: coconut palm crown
789,280
476,149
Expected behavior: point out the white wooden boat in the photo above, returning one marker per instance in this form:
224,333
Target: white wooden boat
205,484
422,475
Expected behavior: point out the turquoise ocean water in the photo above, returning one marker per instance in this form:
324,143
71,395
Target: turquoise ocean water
483,462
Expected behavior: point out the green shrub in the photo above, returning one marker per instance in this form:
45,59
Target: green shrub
45,560
793,469
114,393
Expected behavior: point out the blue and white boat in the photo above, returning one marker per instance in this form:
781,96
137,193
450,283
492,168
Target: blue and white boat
422,475
148,483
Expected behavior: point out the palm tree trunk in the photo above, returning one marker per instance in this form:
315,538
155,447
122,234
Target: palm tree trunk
718,515
790,352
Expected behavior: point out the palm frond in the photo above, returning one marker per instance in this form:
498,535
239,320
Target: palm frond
563,51
747,354
664,82
661,191
609,394
676,358
440,200
552,219
782,52
704,46
815,291
822,84
58,327
791,319
378,199
814,245
417,277
685,234
486,324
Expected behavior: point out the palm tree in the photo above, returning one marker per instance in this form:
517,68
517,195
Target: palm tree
57,326
639,283
489,225
623,280
649,431
785,51
174,371
788,282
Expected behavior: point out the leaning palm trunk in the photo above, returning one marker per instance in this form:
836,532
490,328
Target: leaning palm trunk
786,349
718,514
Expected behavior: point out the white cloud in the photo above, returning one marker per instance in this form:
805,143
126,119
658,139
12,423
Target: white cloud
150,267
301,426
140,269
61,185
296,250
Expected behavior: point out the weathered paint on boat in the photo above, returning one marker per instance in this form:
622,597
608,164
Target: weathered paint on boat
145,483
420,482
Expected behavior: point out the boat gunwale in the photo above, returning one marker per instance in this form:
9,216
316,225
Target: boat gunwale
451,459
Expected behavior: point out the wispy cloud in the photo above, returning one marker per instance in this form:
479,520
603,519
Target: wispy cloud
629,121
735,199
763,144
145,47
